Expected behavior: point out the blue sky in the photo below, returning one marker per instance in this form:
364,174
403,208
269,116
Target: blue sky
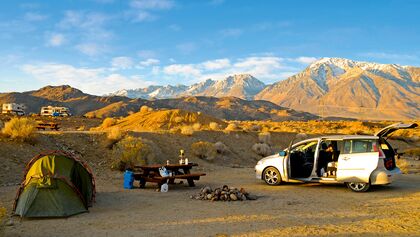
100,46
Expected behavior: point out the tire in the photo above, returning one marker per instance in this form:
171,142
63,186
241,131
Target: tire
272,176
358,187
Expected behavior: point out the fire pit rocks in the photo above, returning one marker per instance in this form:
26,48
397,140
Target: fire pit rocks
223,194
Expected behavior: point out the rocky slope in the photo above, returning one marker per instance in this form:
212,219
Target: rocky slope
346,88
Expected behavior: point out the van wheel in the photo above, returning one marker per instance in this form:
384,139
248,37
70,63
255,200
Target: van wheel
271,176
358,187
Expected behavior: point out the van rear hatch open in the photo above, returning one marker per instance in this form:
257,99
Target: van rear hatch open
394,127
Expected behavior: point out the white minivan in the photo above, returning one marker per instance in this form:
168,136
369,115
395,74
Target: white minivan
358,161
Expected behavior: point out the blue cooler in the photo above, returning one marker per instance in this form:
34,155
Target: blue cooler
128,179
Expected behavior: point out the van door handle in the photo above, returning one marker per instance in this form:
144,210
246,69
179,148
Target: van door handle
346,158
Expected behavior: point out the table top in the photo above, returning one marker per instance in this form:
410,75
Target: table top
170,166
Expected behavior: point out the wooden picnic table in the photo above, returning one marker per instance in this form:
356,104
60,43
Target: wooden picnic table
51,125
150,173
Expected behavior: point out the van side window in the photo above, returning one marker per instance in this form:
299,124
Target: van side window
359,146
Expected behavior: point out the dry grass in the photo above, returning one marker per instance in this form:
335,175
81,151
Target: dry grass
108,122
20,129
329,127
404,165
187,130
197,126
145,109
232,127
214,126
131,151
203,150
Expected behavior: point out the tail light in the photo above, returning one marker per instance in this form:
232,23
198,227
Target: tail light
381,154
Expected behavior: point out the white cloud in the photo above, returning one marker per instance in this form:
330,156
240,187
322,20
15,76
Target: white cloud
149,62
141,16
186,48
141,10
90,80
55,40
121,63
305,60
152,4
231,32
33,16
146,54
266,68
216,64
175,27
183,69
91,49
391,56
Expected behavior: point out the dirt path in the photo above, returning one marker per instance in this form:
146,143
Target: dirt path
285,210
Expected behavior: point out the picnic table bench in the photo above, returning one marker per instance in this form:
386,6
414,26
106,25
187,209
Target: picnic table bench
51,125
150,173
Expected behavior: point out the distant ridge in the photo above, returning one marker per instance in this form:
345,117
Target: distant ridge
334,87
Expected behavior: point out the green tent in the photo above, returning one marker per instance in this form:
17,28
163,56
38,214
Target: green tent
55,184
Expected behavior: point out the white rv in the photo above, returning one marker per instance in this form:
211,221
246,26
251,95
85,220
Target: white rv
13,108
55,111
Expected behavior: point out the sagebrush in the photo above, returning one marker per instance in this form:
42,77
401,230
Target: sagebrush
20,129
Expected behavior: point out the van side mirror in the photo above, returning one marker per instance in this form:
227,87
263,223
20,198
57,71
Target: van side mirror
282,153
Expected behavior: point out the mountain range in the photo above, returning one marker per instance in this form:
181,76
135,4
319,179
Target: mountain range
230,108
328,87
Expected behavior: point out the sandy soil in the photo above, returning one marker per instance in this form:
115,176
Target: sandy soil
285,210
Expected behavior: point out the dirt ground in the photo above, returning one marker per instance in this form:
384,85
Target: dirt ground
285,210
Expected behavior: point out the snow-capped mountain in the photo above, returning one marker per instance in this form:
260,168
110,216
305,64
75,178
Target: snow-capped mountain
342,87
242,86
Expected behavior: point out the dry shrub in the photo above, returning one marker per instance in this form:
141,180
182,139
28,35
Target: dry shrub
178,119
196,126
81,128
187,130
262,149
174,130
3,213
404,165
108,122
203,150
20,129
232,127
145,109
264,137
255,128
113,136
214,126
221,148
131,151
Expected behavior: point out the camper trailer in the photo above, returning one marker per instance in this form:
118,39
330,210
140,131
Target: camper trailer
55,111
13,108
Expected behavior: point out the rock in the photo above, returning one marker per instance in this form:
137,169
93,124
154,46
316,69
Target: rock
209,196
206,190
243,197
225,188
10,223
233,197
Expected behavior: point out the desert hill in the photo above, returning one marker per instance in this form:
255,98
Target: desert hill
153,120
80,103
229,108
